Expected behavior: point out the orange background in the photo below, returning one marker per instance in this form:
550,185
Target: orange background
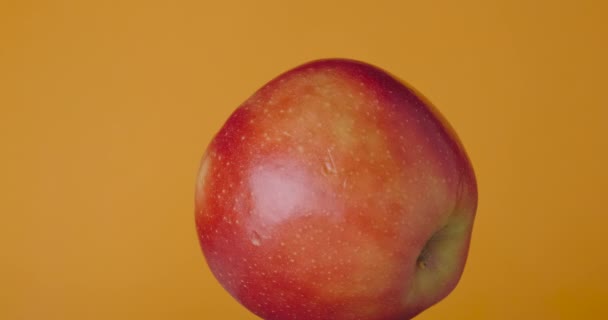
106,108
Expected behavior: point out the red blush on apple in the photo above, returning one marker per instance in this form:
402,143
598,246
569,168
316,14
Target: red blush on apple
336,192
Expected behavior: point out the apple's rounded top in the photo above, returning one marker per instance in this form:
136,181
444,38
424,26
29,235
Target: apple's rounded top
345,64
335,62
385,87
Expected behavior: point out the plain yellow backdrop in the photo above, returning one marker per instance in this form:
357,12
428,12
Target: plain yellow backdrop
107,106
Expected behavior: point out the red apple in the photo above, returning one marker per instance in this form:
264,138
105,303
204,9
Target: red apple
336,192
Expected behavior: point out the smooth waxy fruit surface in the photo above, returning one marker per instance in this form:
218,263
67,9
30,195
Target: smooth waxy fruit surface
336,192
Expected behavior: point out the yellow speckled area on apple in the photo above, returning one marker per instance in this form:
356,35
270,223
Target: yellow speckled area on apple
106,109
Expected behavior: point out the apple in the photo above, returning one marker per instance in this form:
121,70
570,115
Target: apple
336,192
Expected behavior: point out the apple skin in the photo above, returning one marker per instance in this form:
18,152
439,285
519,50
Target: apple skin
336,192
